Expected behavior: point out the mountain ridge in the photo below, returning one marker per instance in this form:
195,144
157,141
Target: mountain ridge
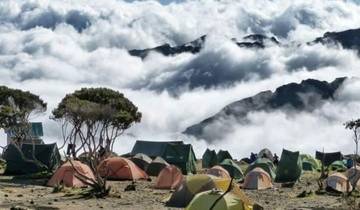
304,96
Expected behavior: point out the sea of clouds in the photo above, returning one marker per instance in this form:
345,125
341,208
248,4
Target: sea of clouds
55,47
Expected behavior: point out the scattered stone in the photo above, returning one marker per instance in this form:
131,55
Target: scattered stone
17,208
131,187
31,202
20,195
6,195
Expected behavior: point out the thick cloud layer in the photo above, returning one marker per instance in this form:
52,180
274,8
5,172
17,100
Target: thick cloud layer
54,47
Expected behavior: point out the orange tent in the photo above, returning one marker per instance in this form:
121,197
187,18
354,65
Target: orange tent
67,175
169,177
218,171
257,179
121,169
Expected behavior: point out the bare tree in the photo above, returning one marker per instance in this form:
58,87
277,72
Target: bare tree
92,119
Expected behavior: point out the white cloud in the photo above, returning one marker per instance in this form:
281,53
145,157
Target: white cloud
54,47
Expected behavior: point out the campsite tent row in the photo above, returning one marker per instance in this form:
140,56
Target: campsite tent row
176,153
77,174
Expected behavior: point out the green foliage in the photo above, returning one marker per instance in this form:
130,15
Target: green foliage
15,108
95,117
353,124
24,100
98,104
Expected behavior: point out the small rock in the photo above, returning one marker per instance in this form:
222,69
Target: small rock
6,195
20,195
50,203
32,202
55,199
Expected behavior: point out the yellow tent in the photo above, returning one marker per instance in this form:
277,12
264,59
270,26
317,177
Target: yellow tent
229,201
193,185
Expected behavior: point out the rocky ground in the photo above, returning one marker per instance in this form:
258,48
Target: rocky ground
31,194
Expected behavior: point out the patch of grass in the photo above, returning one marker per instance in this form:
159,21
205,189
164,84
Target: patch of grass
58,188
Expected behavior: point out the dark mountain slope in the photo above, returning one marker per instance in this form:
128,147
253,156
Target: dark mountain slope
306,96
349,39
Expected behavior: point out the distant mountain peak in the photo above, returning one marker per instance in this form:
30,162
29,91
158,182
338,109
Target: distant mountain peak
349,39
251,41
304,96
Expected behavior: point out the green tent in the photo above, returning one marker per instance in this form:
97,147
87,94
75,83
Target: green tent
328,158
209,159
233,169
176,153
222,155
47,154
309,163
263,163
338,166
289,168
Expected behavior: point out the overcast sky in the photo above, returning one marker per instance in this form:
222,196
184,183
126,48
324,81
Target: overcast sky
55,47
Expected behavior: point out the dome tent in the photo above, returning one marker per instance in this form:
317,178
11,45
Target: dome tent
228,201
141,160
263,163
67,175
218,171
169,177
266,153
257,179
309,163
338,182
119,168
192,185
156,166
233,169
